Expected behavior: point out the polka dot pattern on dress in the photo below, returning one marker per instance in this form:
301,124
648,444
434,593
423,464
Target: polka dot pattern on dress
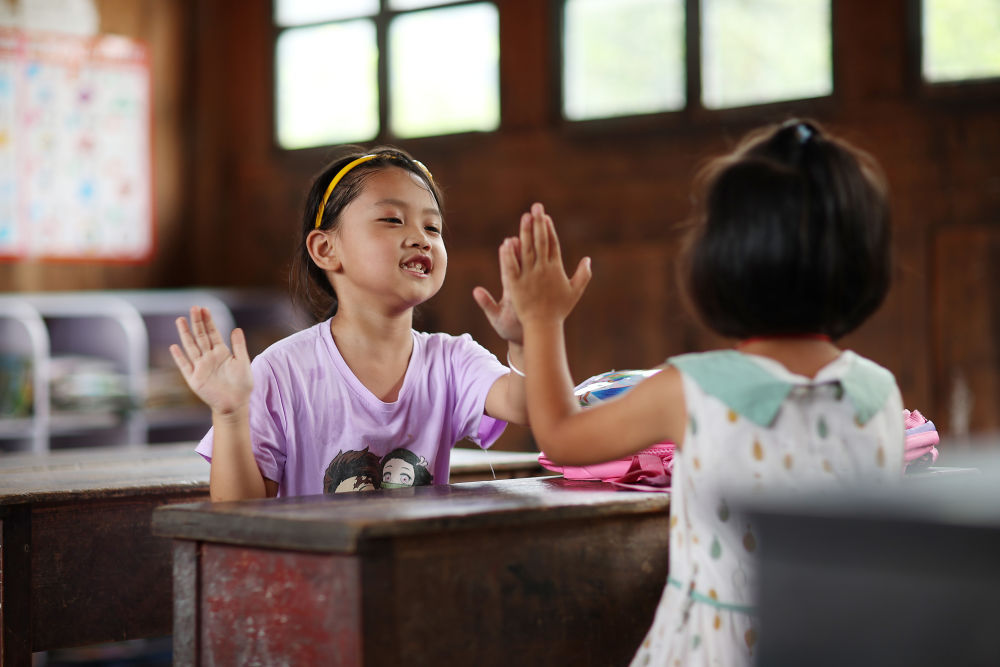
723,511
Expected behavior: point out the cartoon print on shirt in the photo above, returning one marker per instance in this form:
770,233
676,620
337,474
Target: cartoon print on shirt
401,468
352,471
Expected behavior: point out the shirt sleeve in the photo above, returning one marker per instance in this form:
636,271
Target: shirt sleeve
475,369
267,424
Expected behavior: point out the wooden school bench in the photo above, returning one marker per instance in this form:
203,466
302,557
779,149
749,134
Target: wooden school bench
78,563
535,571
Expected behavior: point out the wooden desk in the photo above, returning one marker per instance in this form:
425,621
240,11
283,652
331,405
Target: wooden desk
539,571
78,563
480,465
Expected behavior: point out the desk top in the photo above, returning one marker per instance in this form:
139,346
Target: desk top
143,469
101,473
343,522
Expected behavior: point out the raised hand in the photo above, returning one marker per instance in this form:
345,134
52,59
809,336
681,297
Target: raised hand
533,273
500,313
220,378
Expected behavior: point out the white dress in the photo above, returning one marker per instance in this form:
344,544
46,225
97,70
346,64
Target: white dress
753,425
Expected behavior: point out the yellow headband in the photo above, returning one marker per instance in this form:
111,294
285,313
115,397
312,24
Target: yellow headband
354,163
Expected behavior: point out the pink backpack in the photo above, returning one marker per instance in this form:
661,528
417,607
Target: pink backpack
647,470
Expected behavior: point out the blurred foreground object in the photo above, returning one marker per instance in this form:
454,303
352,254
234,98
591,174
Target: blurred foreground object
904,576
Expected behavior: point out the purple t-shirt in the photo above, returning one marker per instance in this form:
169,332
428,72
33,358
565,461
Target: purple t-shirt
315,427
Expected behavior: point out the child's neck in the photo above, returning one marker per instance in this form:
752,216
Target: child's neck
804,354
376,348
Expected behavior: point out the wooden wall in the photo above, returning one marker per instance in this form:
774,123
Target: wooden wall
228,201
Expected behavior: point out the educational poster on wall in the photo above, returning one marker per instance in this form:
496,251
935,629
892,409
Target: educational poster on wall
75,151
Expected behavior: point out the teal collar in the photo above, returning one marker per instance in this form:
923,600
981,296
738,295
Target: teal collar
755,387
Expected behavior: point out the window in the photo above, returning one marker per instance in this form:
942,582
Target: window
327,84
439,73
961,40
624,57
764,51
444,70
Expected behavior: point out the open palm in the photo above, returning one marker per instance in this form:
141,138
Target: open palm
220,378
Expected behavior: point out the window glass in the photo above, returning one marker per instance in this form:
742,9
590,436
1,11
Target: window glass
764,51
302,12
961,39
622,57
444,71
327,84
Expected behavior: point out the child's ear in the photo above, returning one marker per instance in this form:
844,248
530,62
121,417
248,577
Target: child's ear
322,246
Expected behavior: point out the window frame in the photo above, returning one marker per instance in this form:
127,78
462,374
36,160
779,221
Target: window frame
970,91
694,113
381,20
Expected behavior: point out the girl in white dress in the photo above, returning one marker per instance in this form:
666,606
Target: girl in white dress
787,253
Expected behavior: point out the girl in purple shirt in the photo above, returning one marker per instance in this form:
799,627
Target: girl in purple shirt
334,406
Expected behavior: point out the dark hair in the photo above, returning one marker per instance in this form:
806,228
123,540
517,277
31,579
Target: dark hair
309,284
790,235
421,475
362,465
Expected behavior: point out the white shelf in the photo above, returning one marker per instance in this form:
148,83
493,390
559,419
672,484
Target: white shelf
131,329
23,334
20,428
73,423
178,416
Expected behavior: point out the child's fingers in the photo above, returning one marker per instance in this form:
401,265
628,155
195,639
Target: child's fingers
213,333
581,277
198,328
539,230
486,301
510,266
239,342
511,246
526,242
555,252
515,244
187,340
183,363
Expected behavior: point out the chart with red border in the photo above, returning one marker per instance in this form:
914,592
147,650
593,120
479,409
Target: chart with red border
75,148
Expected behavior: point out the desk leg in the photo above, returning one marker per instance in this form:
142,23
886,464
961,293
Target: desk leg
186,586
15,587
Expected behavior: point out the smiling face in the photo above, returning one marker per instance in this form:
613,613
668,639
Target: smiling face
388,243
